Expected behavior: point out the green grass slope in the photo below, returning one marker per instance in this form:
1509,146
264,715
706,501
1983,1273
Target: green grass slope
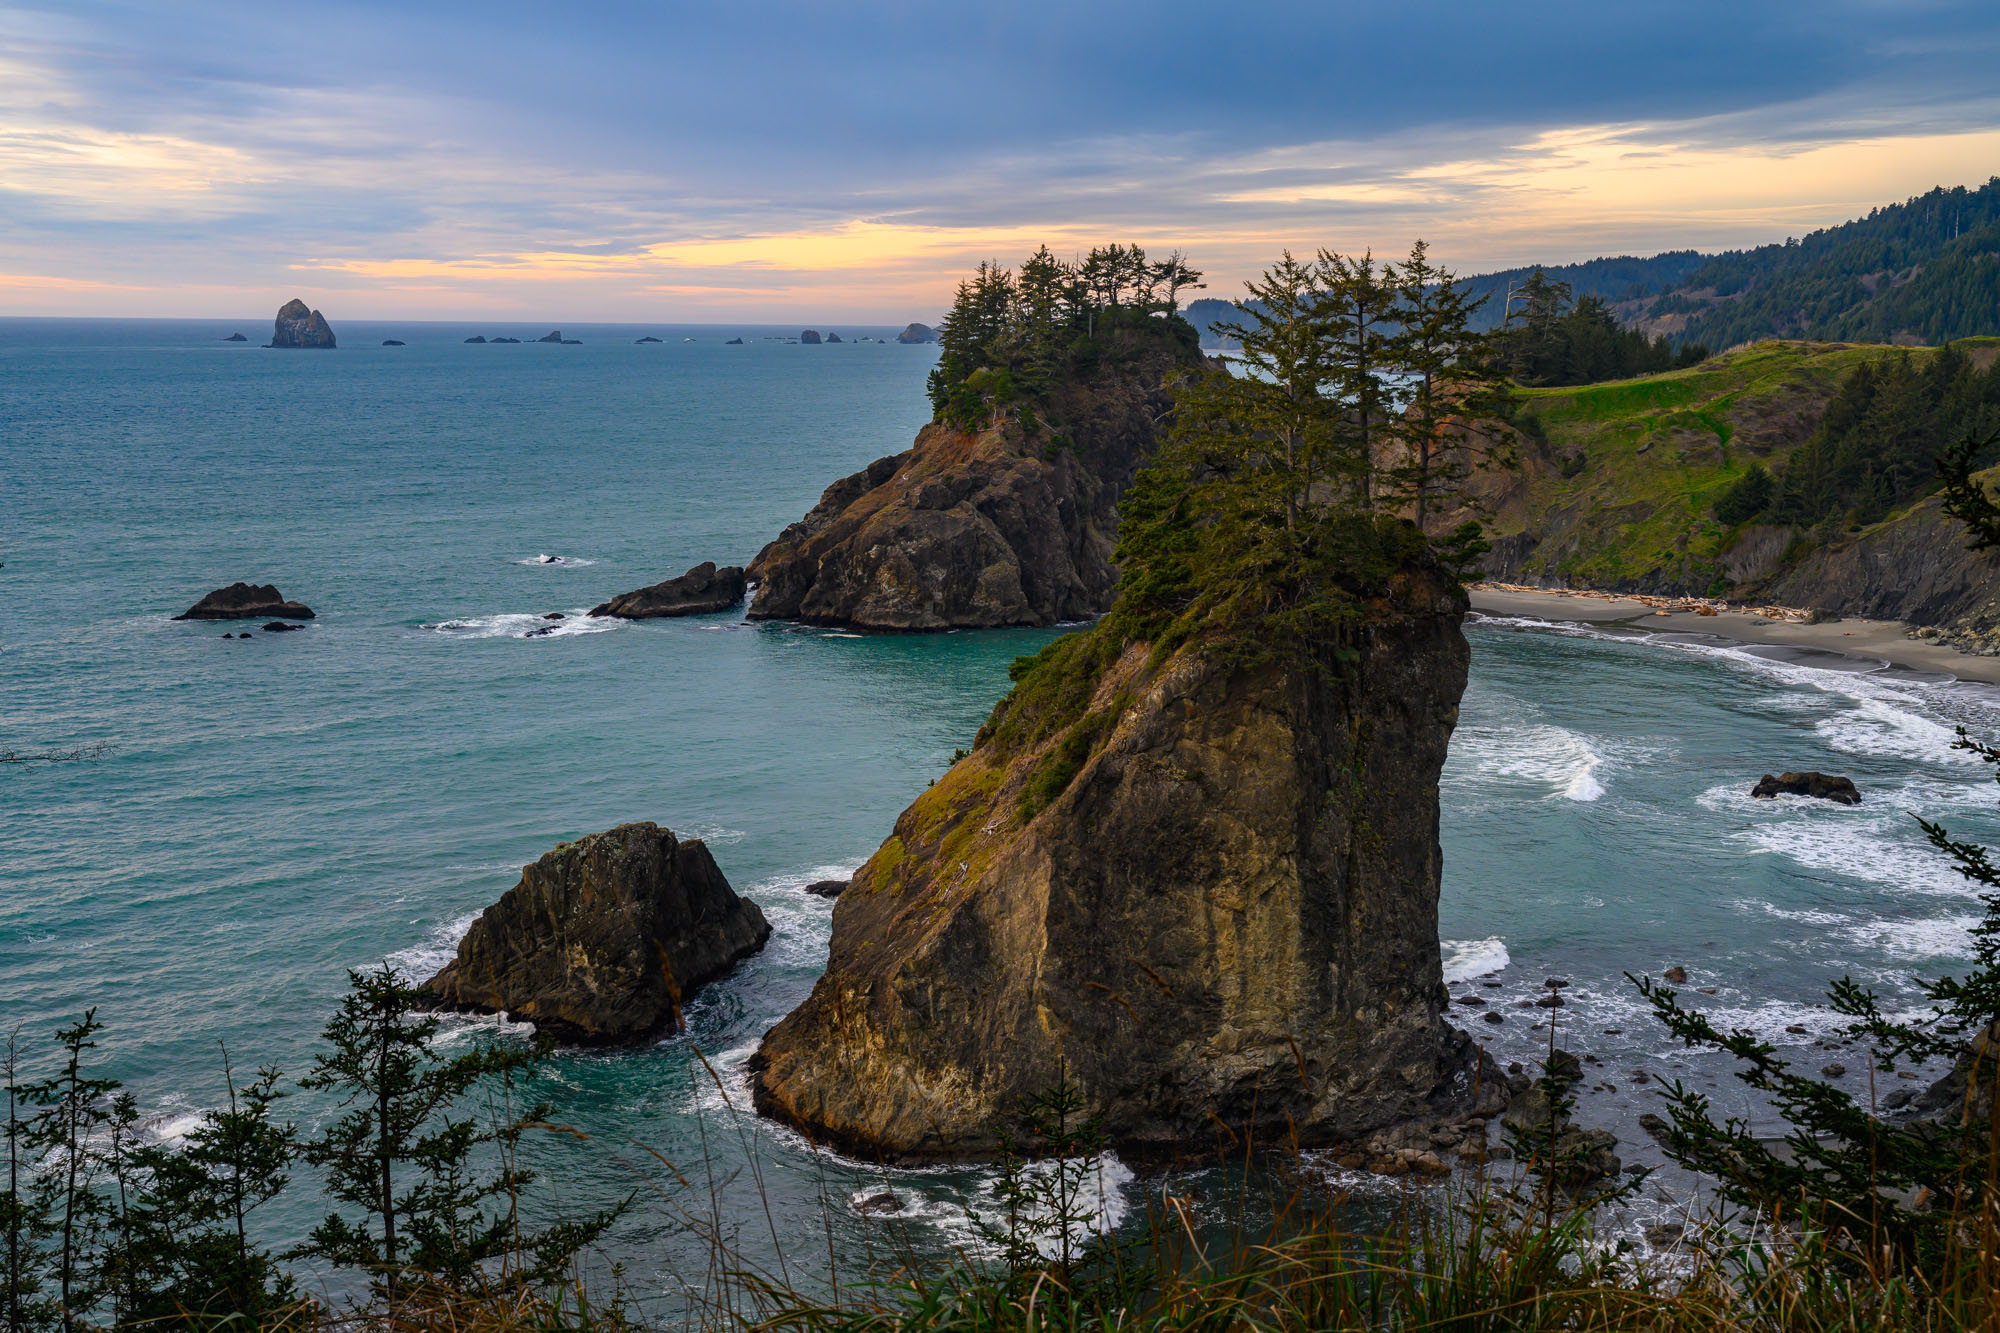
1618,479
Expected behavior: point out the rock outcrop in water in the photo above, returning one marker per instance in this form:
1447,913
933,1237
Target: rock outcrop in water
917,333
1013,524
699,591
1209,897
604,938
244,601
299,326
1822,786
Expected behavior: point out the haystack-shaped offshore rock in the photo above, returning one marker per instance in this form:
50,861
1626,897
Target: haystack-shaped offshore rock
298,325
246,601
604,938
1012,524
1205,891
699,591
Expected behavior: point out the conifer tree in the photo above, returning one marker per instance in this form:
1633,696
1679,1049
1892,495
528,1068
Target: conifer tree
1435,351
1355,305
25,1224
76,1108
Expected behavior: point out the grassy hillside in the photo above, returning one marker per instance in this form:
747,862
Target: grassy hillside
1619,479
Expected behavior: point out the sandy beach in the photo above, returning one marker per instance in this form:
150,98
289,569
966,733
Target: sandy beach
1835,645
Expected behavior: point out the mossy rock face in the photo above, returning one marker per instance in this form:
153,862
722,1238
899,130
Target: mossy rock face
1204,891
604,938
991,525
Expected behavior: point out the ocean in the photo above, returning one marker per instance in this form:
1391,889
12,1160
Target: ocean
271,813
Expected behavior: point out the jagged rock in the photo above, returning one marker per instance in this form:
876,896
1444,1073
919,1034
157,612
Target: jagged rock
243,601
552,336
1210,897
236,338
604,938
917,333
1824,786
299,326
734,342
809,337
984,527
699,591
476,338
827,888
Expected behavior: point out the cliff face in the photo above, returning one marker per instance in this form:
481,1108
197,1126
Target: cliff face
1009,525
604,937
1913,566
1210,895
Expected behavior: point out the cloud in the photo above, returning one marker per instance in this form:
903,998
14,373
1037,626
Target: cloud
673,160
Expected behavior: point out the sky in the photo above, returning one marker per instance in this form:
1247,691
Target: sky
763,160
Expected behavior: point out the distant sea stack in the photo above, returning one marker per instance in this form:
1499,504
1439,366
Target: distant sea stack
810,336
917,333
1208,896
299,326
699,591
1003,524
604,938
236,338
245,601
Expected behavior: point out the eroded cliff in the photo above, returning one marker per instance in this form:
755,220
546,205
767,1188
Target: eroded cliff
1009,523
1203,887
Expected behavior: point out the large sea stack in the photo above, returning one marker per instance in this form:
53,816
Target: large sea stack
1008,523
300,326
1202,888
604,938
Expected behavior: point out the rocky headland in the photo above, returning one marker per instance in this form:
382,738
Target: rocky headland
699,591
300,326
1202,888
245,601
1008,522
604,938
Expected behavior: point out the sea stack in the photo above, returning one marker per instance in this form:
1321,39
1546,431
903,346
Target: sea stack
300,326
917,333
810,336
981,525
245,601
605,938
1202,888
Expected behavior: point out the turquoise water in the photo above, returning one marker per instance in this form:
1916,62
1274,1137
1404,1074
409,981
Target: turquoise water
274,812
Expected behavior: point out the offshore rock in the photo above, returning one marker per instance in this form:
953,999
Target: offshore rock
917,333
1012,524
699,591
1210,901
810,337
243,601
1823,786
236,338
552,336
299,326
604,938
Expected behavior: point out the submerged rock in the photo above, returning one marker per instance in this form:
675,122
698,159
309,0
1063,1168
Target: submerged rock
604,938
243,601
1823,786
699,591
279,627
1007,524
299,326
1207,895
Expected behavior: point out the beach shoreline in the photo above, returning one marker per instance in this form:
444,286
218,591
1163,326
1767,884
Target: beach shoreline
1882,642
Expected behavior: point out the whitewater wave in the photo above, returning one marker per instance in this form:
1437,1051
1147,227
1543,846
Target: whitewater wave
424,959
543,560
1465,960
1564,760
526,625
1917,941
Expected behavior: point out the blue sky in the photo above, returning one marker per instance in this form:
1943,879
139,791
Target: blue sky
846,161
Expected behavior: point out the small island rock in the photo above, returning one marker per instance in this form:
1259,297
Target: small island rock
497,341
392,342
810,336
734,342
699,591
477,338
553,336
243,601
833,337
300,326
1824,786
236,338
604,938
917,333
